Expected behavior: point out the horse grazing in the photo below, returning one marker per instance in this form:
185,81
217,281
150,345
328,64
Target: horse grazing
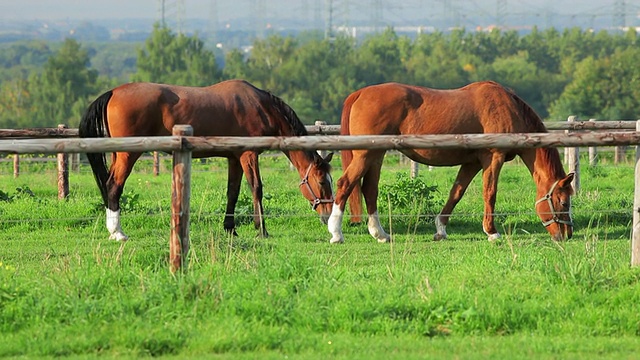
229,108
482,107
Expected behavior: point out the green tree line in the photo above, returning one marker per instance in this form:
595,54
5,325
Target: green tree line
560,73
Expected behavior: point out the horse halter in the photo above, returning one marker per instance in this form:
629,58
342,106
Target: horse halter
316,200
554,214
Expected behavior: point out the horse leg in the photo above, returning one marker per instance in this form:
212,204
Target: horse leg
249,162
466,173
370,192
491,166
352,174
234,180
121,166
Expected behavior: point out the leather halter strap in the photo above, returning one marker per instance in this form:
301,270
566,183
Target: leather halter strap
554,214
316,200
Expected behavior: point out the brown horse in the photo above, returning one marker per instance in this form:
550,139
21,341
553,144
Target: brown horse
230,108
482,107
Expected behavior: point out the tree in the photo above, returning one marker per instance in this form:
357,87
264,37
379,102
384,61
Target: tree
57,95
235,66
380,58
176,59
582,96
264,65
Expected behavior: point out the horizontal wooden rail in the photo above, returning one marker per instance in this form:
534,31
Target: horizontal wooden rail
327,142
38,133
331,129
553,125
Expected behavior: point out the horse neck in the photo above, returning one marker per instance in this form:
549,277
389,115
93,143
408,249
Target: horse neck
301,160
545,167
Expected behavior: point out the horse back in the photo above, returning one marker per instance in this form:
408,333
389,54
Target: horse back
229,108
394,109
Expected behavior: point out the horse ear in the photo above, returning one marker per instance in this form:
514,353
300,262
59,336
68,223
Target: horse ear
328,157
566,182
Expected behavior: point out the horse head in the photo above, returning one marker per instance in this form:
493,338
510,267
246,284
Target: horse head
554,209
316,186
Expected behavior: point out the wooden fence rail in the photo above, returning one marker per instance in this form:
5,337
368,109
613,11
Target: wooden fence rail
322,142
320,129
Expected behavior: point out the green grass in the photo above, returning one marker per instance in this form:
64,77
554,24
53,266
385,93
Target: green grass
66,290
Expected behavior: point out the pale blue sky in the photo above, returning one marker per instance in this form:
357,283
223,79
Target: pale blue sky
230,9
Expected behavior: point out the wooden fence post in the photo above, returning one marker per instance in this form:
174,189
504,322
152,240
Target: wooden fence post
593,153
156,163
573,160
63,172
16,165
414,169
180,198
618,155
75,162
635,237
319,123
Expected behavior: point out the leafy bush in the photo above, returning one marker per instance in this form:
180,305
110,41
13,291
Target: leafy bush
23,192
410,194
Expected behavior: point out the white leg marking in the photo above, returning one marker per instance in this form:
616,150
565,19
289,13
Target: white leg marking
441,230
491,237
335,224
376,230
113,225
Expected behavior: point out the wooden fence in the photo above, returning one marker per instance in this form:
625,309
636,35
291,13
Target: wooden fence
572,157
182,146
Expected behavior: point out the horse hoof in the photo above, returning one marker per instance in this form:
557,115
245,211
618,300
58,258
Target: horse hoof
118,236
336,240
494,237
438,237
384,240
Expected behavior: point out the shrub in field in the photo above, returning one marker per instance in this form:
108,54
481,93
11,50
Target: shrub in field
414,195
21,193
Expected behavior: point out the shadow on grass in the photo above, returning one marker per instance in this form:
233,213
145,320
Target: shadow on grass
609,228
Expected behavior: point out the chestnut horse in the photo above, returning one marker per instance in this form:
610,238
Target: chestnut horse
230,108
482,107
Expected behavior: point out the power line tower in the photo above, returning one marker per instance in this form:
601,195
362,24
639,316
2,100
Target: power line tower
376,15
619,14
214,22
172,14
258,17
328,20
451,13
501,13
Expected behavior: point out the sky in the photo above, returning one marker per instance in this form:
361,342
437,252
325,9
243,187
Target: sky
394,14
149,9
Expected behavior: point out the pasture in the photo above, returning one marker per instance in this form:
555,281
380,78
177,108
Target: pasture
66,290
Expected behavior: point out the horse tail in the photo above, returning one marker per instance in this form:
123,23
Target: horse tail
355,198
94,125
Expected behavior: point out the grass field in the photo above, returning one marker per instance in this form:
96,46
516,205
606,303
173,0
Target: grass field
66,290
